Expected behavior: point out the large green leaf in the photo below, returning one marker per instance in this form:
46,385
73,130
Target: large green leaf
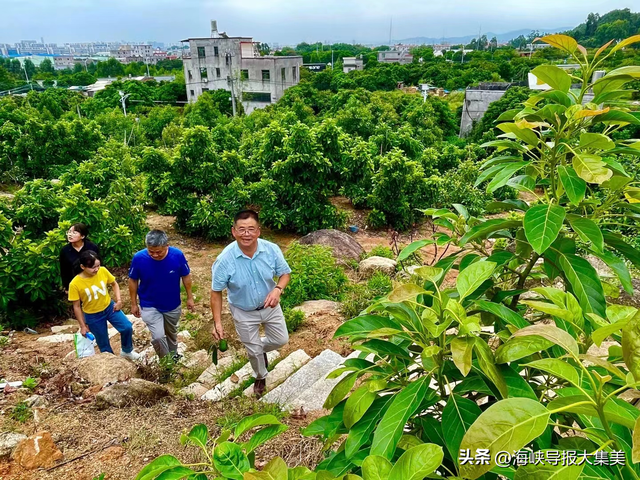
631,346
616,117
365,324
616,264
417,462
635,453
507,425
574,186
542,224
199,436
596,141
263,436
412,248
524,134
376,467
407,291
341,389
458,415
553,76
615,410
553,334
517,386
557,368
585,283
277,468
462,353
361,431
588,231
548,471
230,460
488,366
505,313
389,431
157,466
483,230
520,347
591,168
357,405
253,421
616,242
473,276
523,183
502,177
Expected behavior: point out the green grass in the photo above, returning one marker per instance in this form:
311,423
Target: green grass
21,412
238,408
226,372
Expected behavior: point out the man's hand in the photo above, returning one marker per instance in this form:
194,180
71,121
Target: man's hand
135,310
118,306
84,330
191,306
217,332
273,298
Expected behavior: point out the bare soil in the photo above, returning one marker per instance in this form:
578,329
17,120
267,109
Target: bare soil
119,442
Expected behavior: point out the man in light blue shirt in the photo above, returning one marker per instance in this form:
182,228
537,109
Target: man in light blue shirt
246,268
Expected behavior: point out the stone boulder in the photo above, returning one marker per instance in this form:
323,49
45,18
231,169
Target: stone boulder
134,392
195,390
105,368
199,359
374,264
140,329
37,451
344,246
313,307
9,441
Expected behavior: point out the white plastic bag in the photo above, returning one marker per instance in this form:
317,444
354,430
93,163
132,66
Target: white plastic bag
84,346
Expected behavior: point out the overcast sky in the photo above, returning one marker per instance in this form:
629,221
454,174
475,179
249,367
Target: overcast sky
285,22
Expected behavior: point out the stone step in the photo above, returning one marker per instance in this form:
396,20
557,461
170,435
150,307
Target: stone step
283,370
304,378
313,398
223,389
208,377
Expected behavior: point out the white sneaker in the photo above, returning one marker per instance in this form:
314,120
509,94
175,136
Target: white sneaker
132,355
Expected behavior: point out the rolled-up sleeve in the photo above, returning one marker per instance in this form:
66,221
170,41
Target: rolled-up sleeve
282,267
219,276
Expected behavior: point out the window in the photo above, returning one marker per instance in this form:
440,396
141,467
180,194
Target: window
217,73
283,74
244,74
294,73
227,59
264,97
201,52
190,76
192,93
205,89
266,75
215,51
203,73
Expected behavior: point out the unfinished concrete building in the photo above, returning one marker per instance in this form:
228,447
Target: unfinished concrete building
235,64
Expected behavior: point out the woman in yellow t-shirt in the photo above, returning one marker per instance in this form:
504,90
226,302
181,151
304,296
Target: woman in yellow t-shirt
89,289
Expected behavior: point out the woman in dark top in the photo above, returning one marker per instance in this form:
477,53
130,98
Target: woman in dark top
70,254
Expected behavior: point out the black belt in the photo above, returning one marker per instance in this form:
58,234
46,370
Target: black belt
260,308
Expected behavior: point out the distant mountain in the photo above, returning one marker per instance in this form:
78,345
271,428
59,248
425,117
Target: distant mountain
501,37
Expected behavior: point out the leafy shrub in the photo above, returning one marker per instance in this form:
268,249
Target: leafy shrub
315,275
379,284
293,319
380,251
20,412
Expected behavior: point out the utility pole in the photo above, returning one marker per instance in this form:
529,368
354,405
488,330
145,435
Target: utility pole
123,100
233,94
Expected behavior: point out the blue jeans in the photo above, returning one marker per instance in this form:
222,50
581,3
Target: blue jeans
97,324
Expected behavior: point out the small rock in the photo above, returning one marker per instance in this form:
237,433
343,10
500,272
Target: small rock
111,453
106,368
196,389
92,391
234,378
8,441
374,264
313,307
65,328
134,392
199,359
183,335
77,388
36,401
140,329
37,451
344,247
58,338
39,414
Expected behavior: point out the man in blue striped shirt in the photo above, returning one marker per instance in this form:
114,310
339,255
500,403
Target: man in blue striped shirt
247,268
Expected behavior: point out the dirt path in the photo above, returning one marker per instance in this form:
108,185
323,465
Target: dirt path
139,434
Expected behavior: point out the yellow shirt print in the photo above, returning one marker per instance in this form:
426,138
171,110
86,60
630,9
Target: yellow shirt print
92,292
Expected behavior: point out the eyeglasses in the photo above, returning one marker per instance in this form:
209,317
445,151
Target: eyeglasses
249,230
72,232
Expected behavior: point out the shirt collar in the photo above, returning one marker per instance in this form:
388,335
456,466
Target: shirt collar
238,253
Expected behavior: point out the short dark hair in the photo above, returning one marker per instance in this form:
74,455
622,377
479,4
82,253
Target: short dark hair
81,228
244,214
88,258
